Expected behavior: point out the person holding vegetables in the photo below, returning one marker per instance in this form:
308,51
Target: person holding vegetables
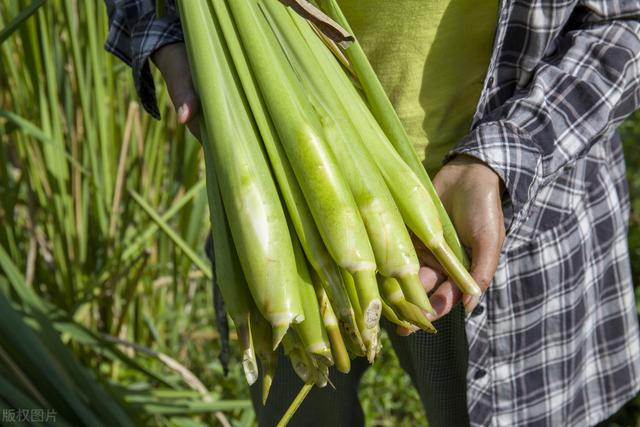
514,108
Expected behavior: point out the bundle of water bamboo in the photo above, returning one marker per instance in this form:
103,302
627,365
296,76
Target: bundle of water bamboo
314,190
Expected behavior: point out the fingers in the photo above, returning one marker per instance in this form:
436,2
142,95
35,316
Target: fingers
405,332
187,104
485,254
188,113
470,191
430,272
444,299
430,278
172,62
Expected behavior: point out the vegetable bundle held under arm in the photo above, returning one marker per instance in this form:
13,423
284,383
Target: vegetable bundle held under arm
311,203
299,212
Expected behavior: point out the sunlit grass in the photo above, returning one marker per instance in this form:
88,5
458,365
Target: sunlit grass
103,218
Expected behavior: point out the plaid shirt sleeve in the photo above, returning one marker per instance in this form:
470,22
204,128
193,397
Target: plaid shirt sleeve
135,32
587,82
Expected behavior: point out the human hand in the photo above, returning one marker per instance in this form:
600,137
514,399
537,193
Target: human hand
172,62
470,191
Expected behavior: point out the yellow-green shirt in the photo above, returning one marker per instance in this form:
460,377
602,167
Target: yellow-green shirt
431,57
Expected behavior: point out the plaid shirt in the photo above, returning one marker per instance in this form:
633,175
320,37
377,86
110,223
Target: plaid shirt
555,340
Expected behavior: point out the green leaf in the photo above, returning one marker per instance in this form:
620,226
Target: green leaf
12,26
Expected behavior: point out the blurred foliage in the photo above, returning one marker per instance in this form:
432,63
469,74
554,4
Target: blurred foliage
399,404
630,132
629,415
102,229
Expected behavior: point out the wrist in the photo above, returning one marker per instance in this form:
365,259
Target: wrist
478,169
166,54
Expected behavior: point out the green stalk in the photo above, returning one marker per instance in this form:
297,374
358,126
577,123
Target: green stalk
144,236
55,162
16,22
418,210
356,350
386,115
369,335
179,242
392,295
323,185
338,347
257,221
392,317
269,364
263,342
228,272
311,330
302,394
107,149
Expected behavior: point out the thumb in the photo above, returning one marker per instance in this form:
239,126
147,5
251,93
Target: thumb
485,253
186,104
172,62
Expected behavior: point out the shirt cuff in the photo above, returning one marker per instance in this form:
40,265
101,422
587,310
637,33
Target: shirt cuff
511,153
149,34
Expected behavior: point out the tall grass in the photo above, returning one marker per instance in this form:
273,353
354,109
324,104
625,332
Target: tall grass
103,217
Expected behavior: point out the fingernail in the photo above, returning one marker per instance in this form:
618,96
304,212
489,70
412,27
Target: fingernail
470,303
438,303
404,332
182,113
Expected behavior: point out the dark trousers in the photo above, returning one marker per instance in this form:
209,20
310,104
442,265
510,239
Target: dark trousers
437,365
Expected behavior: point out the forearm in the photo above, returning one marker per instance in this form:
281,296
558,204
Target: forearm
135,33
581,90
